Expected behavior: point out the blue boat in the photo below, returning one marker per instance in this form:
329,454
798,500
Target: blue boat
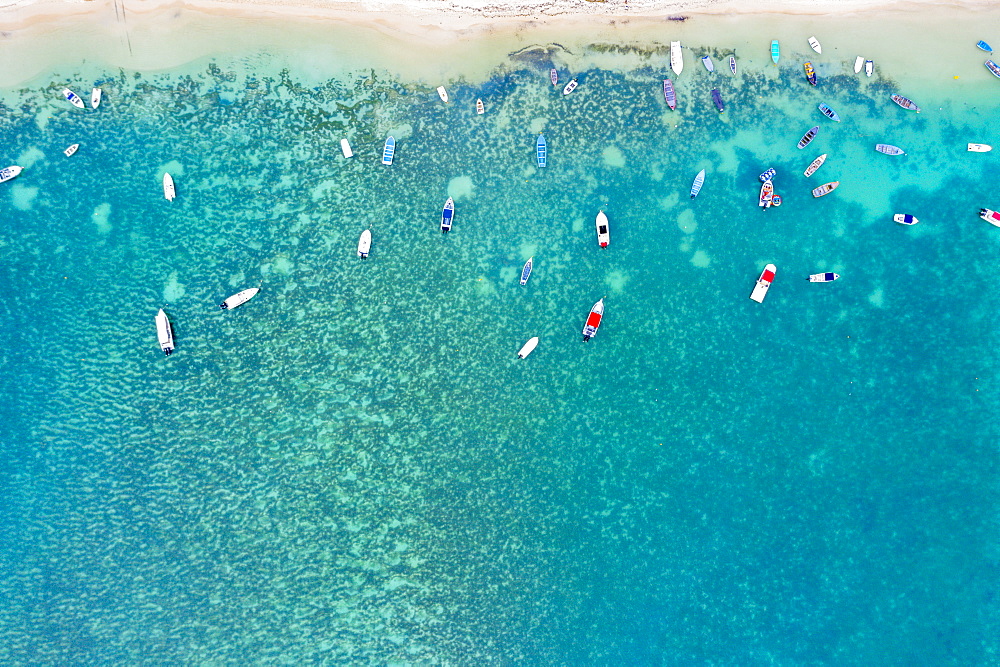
829,113
984,46
767,175
775,51
526,271
699,180
717,98
540,151
388,151
447,215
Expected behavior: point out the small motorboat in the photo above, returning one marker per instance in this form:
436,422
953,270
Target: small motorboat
984,46
554,76
825,189
541,153
570,87
810,73
593,320
480,107
164,333
823,277
814,165
676,58
95,98
70,150
72,98
526,271
603,234
388,151
669,95
814,43
238,299
707,62
447,215
528,347
699,180
365,244
980,148
717,98
443,94
767,175
989,216
993,68
763,283
808,137
169,191
775,51
859,62
905,219
905,103
8,173
889,149
869,67
732,64
766,195
829,113
345,148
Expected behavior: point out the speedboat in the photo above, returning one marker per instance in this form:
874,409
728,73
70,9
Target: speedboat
570,87
808,137
717,98
823,277
7,173
775,51
164,333
70,150
989,216
345,148
365,244
388,151
889,149
766,195
825,189
707,62
669,95
869,67
814,43
810,73
593,320
905,103
480,107
541,153
73,98
859,62
169,192
603,235
829,113
238,299
526,271
699,180
905,219
763,283
528,347
95,98
447,215
814,165
980,148
443,94
676,58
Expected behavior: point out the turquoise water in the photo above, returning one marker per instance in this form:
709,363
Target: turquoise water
354,468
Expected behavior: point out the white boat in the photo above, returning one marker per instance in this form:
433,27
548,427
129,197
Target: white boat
447,215
676,58
825,189
732,64
365,244
905,219
814,43
980,148
345,148
907,104
763,283
7,173
554,76
73,98
603,234
71,149
889,149
528,347
570,87
593,320
869,67
238,299
168,187
766,194
164,333
823,277
388,151
526,271
480,107
95,98
859,62
541,152
814,165
443,94
989,216
707,62
699,180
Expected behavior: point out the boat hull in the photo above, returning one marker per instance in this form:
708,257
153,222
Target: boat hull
72,98
828,112
869,67
480,107
763,283
993,68
732,64
554,76
528,348
71,150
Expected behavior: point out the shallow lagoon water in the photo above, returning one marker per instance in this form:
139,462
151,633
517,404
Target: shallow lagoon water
354,467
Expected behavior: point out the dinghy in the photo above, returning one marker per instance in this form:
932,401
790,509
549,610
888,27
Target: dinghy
905,219
825,189
707,62
732,64
775,51
164,333
859,62
554,76
767,175
828,112
72,98
541,154
993,68
526,271
814,165
766,195
365,244
528,347
989,216
717,98
676,58
345,148
447,215
570,87
823,277
480,107
905,103
238,299
814,43
669,95
70,150
889,149
593,320
699,180
810,73
763,283
95,98
980,148
984,46
603,234
869,67
808,137
8,173
443,94
169,192
388,151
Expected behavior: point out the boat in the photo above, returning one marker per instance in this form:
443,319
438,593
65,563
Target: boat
676,58
169,191
732,64
763,283
905,103
73,98
593,320
984,46
669,95
443,94
814,165
980,148
528,347
699,180
388,151
480,107
717,98
540,152
8,173
554,76
365,244
989,216
238,299
526,271
71,149
776,201
993,68
808,137
447,215
95,98
345,148
164,333
570,87
823,277
775,51
859,62
825,189
829,113
707,62
814,43
889,149
603,235
766,195
810,73
869,67
767,175
905,219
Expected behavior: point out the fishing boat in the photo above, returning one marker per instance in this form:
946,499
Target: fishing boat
70,150
526,271
707,62
699,180
365,244
814,165
889,149
767,175
763,283
989,216
905,103
993,68
169,191
447,215
73,98
554,76
95,98
389,151
528,347
603,234
869,67
905,219
570,87
808,137
823,277
8,173
593,320
828,112
239,298
540,152
443,94
814,43
732,64
810,73
717,98
766,195
859,62
676,58
480,107
775,51
164,333
669,95
345,148
984,46
980,148
825,189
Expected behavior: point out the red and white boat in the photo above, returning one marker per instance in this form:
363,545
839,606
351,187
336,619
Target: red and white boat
992,217
766,195
593,320
603,235
763,283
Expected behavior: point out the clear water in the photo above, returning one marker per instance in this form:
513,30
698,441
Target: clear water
354,468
